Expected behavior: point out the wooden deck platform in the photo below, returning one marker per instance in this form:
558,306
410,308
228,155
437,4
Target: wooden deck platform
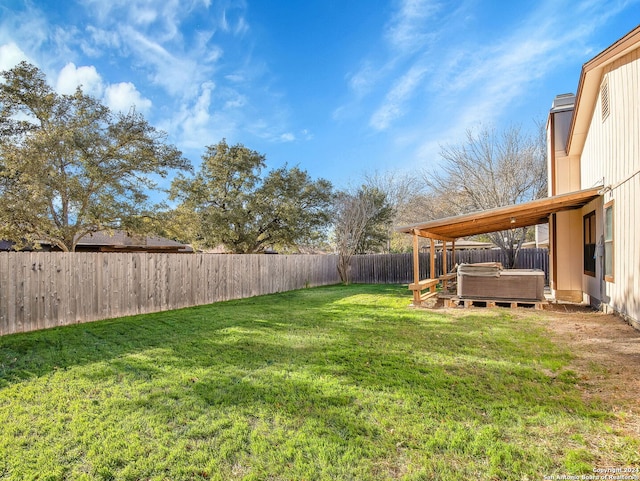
456,301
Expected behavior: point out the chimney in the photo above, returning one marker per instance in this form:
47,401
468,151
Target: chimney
563,102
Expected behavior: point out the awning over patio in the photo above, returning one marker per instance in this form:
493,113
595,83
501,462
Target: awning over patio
501,218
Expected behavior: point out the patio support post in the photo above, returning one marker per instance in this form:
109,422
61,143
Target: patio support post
453,253
444,257
432,273
416,269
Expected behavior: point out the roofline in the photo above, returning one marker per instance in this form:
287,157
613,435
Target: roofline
590,79
482,222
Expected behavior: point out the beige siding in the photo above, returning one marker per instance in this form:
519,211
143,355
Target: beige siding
612,154
568,285
567,168
564,177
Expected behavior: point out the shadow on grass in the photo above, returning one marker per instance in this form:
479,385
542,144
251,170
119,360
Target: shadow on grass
434,366
335,375
23,356
321,331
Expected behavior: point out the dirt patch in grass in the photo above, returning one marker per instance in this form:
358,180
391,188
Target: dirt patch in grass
607,358
606,350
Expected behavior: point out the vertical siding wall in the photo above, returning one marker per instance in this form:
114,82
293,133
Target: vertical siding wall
44,289
612,153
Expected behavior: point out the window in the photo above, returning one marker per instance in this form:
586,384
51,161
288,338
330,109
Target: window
590,244
604,98
608,242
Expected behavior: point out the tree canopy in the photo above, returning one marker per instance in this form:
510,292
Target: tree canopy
69,166
406,198
233,205
489,170
361,224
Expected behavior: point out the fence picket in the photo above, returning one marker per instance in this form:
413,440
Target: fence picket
45,289
398,268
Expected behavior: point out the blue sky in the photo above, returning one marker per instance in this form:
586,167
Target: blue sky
339,88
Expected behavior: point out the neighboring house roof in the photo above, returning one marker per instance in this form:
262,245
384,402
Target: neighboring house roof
6,245
116,241
589,88
462,244
119,241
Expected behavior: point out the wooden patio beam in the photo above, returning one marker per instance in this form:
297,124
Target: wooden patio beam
431,235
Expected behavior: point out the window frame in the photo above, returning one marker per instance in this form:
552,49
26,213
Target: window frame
609,276
589,248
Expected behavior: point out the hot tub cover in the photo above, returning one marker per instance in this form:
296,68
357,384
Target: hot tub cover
485,269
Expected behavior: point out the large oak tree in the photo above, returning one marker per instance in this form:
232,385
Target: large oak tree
234,205
69,166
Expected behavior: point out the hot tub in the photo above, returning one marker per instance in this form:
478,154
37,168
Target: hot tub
490,281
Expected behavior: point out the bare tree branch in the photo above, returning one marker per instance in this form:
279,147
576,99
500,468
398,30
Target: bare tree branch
489,170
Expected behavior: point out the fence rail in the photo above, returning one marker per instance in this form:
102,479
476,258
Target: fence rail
398,268
48,289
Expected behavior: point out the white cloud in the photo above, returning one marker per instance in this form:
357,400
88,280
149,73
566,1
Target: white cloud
363,80
272,130
149,35
100,40
235,77
409,28
407,35
27,28
238,26
178,75
72,77
201,109
121,97
397,98
197,124
485,84
287,137
242,26
236,101
143,14
10,56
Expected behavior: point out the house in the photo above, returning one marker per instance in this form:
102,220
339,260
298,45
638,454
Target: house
121,241
541,238
592,211
594,140
117,241
467,245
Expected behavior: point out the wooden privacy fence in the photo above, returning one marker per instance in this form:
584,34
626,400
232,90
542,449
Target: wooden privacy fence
47,289
398,268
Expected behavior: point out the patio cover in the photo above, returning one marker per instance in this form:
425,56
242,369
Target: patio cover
501,218
492,220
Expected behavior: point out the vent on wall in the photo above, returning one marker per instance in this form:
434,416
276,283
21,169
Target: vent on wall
604,98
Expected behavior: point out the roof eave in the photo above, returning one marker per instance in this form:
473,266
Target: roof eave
589,85
501,218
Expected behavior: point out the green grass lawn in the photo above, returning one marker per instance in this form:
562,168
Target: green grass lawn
341,383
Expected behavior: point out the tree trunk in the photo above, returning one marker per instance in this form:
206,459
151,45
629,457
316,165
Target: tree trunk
344,268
